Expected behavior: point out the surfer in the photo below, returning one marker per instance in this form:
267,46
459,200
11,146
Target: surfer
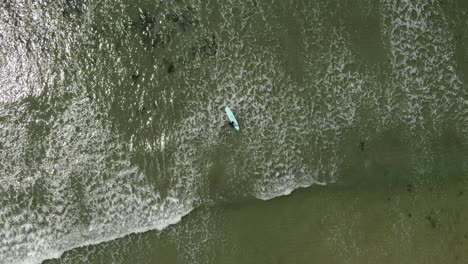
232,118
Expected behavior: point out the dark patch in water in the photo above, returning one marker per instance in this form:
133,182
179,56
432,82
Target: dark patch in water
142,111
409,187
135,77
433,219
386,172
193,52
205,48
362,145
147,21
210,46
73,8
173,17
170,68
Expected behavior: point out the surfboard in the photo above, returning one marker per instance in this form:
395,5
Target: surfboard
232,118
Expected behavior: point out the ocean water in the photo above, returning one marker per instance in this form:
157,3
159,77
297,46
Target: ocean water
115,148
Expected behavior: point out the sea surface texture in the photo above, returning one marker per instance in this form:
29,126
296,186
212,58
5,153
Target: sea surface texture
115,147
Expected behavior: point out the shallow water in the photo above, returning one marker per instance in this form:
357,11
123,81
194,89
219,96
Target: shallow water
112,124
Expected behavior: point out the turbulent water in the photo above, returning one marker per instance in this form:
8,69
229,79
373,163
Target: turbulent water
111,112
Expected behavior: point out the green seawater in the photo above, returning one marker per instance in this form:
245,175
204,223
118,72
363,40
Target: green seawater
115,148
381,213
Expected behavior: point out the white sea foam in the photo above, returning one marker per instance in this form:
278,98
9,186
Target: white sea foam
278,125
425,89
84,190
34,257
30,36
76,194
422,58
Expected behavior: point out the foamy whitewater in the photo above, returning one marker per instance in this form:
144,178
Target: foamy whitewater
83,191
111,114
